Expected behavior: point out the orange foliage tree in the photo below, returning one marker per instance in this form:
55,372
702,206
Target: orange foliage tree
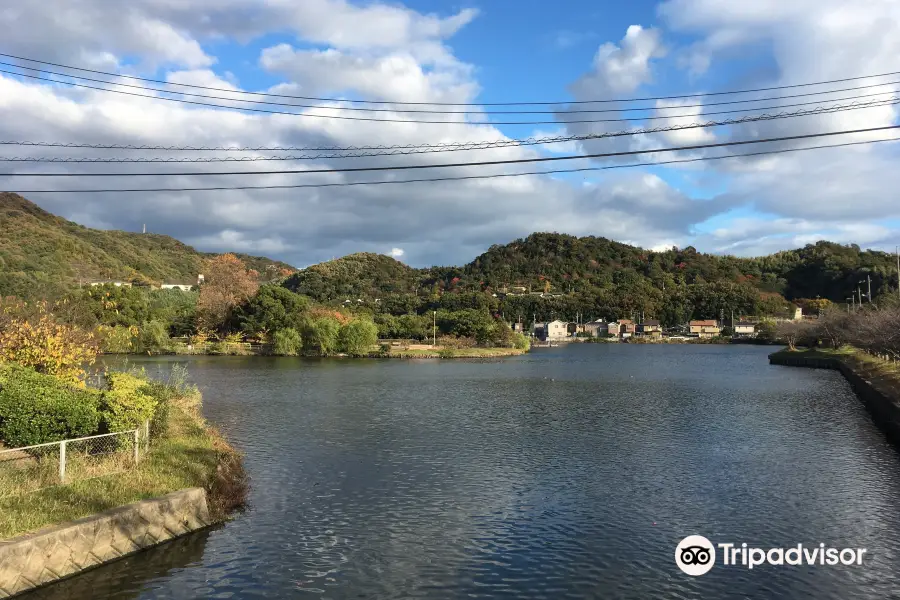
227,284
31,336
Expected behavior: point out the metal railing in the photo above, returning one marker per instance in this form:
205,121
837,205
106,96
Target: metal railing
31,468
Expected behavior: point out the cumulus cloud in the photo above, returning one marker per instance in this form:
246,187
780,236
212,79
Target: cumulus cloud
392,53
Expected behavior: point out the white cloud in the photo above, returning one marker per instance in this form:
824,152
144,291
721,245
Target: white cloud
386,51
397,252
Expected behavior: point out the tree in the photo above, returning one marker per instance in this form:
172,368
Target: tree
287,342
227,284
794,332
272,308
31,336
357,336
320,335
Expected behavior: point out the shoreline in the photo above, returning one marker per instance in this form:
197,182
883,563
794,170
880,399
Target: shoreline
874,381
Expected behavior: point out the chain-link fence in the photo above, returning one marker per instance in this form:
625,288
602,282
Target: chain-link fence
32,468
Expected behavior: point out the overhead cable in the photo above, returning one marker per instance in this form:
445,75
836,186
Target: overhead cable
555,102
459,178
353,153
395,109
420,121
483,163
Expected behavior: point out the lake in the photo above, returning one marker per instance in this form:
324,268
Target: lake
570,472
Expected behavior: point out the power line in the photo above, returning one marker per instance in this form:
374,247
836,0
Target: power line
555,102
459,178
483,163
465,112
448,148
440,146
374,120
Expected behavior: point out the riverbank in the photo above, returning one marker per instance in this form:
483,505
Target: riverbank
876,381
188,453
423,351
449,353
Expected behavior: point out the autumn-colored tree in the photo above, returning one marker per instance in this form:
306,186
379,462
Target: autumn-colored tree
227,284
31,336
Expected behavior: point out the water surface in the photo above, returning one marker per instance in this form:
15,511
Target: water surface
570,472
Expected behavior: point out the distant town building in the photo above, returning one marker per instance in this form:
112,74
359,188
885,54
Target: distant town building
552,331
650,327
109,282
598,328
627,328
744,329
184,287
705,329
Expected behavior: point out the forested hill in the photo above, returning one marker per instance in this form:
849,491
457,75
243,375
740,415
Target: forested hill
41,255
598,277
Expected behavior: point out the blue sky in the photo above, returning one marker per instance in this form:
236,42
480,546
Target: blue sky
421,51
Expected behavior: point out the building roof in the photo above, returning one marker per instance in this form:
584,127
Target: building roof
707,323
626,321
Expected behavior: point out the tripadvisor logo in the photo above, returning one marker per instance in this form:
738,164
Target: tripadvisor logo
695,555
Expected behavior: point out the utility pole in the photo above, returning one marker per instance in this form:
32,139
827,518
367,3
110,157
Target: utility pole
898,269
869,280
434,328
859,291
848,304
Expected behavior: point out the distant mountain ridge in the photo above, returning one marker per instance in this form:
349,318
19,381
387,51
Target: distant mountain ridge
565,264
42,254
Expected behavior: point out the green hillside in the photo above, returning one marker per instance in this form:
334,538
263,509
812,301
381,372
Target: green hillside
41,255
550,275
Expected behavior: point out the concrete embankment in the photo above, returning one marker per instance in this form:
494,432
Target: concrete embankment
880,396
57,552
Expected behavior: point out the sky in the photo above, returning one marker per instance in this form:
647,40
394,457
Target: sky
478,53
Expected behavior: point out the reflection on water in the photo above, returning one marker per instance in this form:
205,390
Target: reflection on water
570,472
129,577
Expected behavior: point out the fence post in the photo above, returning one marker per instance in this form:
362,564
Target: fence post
137,441
62,461
147,434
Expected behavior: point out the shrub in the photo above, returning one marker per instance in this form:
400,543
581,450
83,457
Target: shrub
357,336
522,342
37,408
154,337
118,340
31,336
127,403
286,342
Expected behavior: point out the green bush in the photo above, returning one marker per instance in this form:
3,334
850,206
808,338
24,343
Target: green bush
286,342
154,337
36,408
358,336
521,342
127,403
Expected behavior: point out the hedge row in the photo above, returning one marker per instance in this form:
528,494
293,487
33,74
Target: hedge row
37,408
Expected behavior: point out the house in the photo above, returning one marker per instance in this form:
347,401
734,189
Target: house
552,331
109,282
184,287
705,329
598,328
612,328
798,313
744,330
650,327
627,328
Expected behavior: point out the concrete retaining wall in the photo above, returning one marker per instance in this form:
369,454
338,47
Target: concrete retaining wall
51,554
882,401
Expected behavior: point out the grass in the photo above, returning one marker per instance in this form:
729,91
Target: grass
843,351
190,454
